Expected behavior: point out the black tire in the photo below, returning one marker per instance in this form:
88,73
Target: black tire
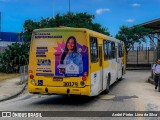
122,71
108,84
120,79
121,76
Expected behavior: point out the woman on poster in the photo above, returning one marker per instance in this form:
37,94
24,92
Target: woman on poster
70,55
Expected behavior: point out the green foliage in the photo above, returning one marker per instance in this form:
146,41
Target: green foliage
79,20
29,26
15,55
132,35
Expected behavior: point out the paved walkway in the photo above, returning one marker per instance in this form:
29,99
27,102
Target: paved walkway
11,88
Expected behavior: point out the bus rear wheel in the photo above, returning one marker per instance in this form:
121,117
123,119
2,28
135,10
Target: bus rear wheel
121,76
108,84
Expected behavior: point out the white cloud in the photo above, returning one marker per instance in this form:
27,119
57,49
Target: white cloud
136,5
100,11
130,20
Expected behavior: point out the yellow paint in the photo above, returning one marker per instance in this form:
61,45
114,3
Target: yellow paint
58,90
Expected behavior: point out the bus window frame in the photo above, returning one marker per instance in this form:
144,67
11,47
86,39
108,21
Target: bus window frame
109,52
120,50
113,51
106,56
96,59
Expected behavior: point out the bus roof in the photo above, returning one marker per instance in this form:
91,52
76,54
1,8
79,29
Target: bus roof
114,39
77,29
68,29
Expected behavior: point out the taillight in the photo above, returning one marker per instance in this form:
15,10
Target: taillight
31,76
84,78
85,74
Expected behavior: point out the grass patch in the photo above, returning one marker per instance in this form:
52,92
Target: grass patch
4,76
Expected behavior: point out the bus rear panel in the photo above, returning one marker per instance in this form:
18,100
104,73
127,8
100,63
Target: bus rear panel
74,61
58,62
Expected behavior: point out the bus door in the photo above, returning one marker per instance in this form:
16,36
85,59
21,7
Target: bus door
100,68
96,66
114,62
117,61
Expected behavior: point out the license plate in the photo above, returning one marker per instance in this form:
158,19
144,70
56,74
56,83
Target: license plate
57,79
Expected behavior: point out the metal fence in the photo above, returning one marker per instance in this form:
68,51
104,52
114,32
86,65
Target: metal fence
23,74
141,56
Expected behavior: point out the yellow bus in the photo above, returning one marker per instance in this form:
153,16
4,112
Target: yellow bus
74,61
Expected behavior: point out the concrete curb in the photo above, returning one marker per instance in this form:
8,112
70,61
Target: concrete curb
138,68
14,95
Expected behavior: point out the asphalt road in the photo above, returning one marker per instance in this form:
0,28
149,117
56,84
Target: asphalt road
133,93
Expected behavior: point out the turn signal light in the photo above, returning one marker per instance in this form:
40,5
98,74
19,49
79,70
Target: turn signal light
85,74
82,83
30,71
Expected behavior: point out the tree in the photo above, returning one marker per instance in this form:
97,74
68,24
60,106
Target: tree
80,20
15,55
132,35
29,26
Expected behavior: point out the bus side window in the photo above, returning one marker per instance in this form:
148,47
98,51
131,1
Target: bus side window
120,51
109,50
105,47
94,49
113,49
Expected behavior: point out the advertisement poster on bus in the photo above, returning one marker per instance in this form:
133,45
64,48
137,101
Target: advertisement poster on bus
71,57
61,54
